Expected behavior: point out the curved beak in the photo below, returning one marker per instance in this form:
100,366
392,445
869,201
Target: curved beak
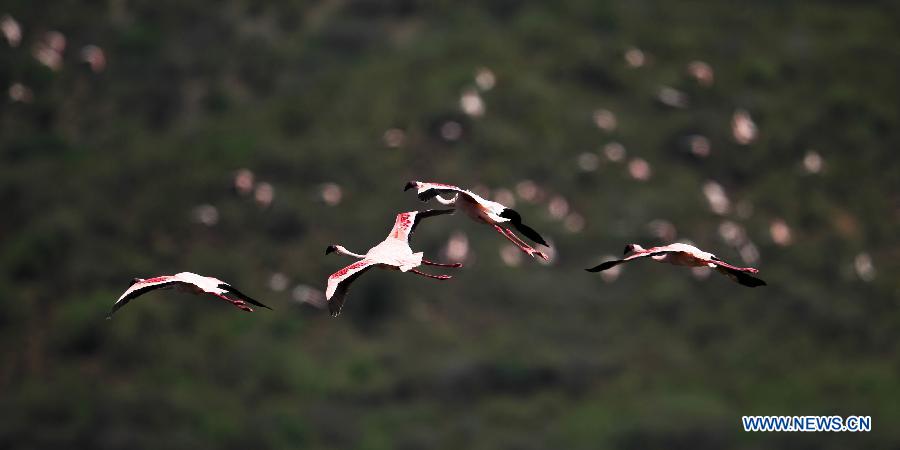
135,280
331,249
411,185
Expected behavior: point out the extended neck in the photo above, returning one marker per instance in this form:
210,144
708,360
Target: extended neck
340,249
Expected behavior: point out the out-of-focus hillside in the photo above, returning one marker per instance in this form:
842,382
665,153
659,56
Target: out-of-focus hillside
776,148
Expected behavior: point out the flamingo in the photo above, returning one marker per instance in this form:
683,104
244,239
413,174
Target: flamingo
187,282
483,211
394,253
685,255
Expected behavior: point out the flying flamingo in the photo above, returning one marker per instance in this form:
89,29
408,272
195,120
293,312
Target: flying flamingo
483,211
393,253
186,282
685,255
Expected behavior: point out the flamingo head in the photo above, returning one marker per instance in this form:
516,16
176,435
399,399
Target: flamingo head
631,248
411,185
331,249
135,280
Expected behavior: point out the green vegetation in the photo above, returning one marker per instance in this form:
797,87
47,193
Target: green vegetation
100,173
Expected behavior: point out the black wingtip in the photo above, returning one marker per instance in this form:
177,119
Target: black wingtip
516,220
603,266
752,282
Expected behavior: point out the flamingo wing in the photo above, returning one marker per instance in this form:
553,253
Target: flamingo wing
141,287
232,290
516,220
339,283
610,264
740,276
426,191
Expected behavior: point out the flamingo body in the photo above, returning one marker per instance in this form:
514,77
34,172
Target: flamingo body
481,210
393,253
681,254
186,282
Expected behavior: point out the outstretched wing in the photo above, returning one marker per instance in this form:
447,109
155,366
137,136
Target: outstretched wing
405,224
739,276
339,283
141,287
426,191
516,220
616,262
232,290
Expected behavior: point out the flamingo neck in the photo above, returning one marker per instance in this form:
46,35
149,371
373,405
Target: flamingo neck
340,249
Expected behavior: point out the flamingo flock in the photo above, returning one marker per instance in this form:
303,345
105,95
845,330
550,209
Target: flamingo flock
395,253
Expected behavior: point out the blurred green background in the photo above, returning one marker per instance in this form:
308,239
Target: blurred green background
120,160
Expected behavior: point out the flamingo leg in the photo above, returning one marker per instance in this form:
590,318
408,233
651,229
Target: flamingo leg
431,263
428,275
237,303
508,234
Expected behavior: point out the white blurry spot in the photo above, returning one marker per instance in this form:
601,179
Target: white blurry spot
781,232
813,162
303,293
574,223
605,120
701,273
457,248
331,193
451,130
485,79
55,40
394,137
639,169
278,282
18,92
511,255
634,57
47,57
670,96
702,72
662,230
243,181
588,161
699,145
264,194
95,57
505,197
614,151
715,195
11,30
732,233
206,214
743,128
749,253
471,103
864,267
558,207
611,274
527,190
48,50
